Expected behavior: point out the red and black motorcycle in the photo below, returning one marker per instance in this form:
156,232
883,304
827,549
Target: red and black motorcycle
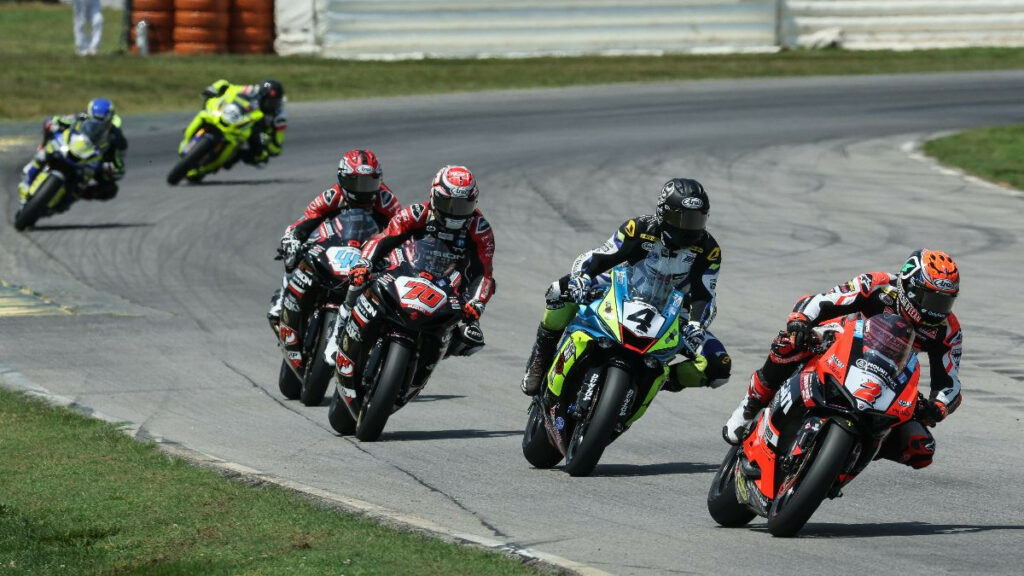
408,316
327,256
823,427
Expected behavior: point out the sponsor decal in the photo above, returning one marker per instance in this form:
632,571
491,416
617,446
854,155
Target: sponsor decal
715,254
295,359
352,331
904,403
944,284
364,169
865,284
647,246
833,359
288,336
559,423
693,203
648,237
630,229
482,225
344,364
626,403
348,393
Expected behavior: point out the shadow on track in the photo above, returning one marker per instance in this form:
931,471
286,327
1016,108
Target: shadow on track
873,530
450,435
436,397
665,468
109,226
261,182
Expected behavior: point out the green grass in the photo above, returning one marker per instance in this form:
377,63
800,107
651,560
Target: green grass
79,497
996,154
42,76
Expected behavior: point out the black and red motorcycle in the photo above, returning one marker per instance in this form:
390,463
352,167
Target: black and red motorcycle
823,427
408,315
327,256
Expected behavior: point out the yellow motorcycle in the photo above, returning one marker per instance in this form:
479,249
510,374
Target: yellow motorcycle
215,137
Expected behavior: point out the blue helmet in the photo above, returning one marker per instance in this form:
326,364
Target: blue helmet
102,110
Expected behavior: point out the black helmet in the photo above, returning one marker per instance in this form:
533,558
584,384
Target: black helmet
682,212
271,96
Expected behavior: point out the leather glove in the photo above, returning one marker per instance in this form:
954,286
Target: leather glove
473,309
289,250
359,273
579,288
693,335
799,330
930,412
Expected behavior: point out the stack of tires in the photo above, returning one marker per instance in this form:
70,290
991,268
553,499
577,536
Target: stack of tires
159,17
200,26
252,27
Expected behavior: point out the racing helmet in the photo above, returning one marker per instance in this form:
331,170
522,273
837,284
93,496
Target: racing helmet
271,96
453,195
359,176
927,287
101,110
682,212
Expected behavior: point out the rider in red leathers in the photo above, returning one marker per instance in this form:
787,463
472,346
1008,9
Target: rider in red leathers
923,293
450,216
359,187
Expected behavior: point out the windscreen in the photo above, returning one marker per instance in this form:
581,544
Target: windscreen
95,130
651,280
354,224
431,255
888,342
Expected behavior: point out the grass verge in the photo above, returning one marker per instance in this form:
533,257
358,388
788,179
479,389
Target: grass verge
79,497
42,76
995,154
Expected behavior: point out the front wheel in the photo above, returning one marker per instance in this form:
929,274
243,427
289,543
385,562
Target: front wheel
37,205
793,506
537,447
380,402
288,382
318,378
592,435
191,160
339,417
723,505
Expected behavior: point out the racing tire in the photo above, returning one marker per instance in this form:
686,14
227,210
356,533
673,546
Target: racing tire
288,383
339,417
380,402
36,206
192,160
792,509
318,377
723,504
537,446
592,436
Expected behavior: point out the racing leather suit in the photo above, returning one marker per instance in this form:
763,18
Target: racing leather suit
111,169
292,302
870,294
472,246
267,136
638,241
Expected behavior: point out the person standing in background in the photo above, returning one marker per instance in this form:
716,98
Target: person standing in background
87,11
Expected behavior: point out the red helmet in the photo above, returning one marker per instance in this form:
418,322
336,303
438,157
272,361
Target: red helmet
453,195
928,285
359,175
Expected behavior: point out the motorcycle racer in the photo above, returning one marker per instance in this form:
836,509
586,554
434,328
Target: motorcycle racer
359,187
267,137
102,124
450,217
676,233
923,293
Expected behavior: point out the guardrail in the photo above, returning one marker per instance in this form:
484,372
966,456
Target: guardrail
399,29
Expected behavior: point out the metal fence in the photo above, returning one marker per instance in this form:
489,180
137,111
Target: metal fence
396,29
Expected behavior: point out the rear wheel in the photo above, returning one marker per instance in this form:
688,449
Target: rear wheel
591,436
192,160
723,505
37,205
537,446
318,378
380,402
288,382
339,417
793,506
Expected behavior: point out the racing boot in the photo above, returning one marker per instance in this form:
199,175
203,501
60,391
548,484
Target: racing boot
757,397
540,359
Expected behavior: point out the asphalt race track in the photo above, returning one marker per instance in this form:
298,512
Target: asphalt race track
810,184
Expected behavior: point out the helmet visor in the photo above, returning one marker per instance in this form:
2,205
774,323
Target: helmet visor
934,302
361,183
687,220
454,207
